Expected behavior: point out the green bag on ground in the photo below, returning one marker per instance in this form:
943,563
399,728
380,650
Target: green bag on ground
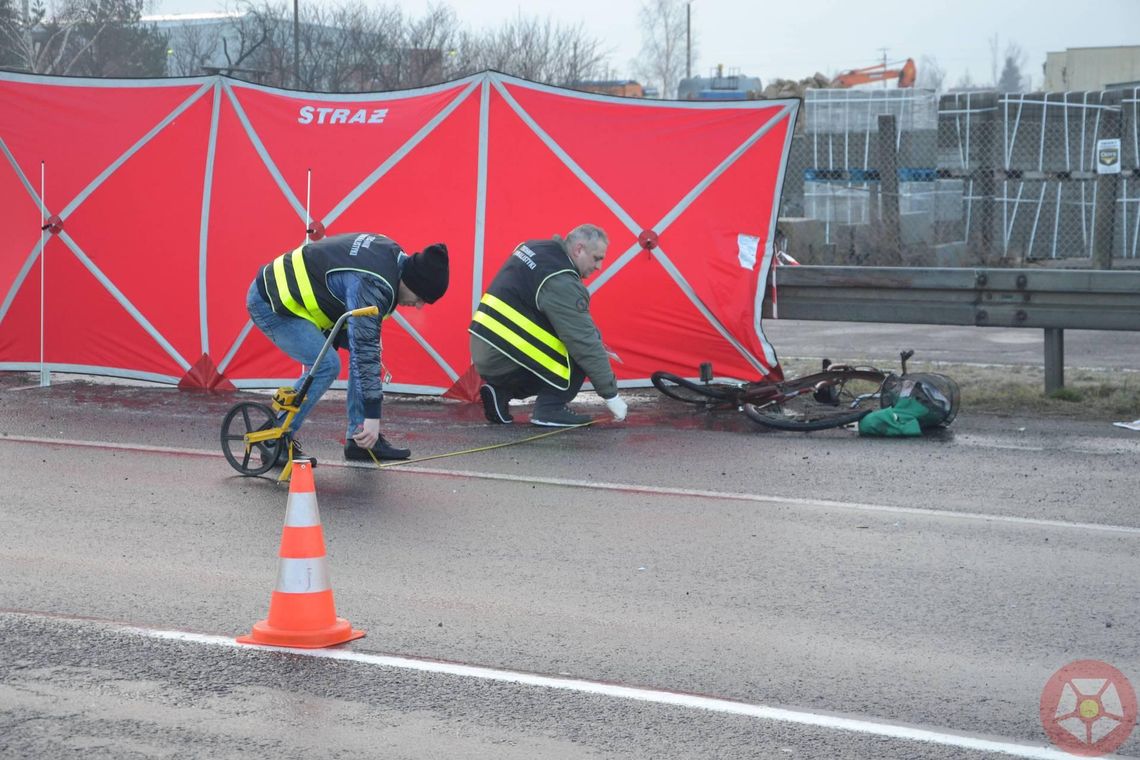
905,418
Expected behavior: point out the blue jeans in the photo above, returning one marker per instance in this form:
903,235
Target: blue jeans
302,341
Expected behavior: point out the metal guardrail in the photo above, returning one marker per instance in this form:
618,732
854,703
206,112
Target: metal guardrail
1052,300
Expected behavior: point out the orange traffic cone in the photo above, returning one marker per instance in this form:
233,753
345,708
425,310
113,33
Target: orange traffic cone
301,609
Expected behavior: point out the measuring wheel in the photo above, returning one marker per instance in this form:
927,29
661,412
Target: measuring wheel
256,458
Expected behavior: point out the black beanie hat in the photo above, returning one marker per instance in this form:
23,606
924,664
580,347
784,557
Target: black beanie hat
425,273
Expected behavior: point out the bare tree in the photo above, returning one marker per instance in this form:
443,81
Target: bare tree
352,46
10,30
84,38
1011,79
347,47
338,49
427,43
664,50
41,43
256,49
192,48
356,48
930,74
576,58
519,47
120,45
534,49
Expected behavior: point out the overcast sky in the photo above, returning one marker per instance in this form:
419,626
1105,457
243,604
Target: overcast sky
793,39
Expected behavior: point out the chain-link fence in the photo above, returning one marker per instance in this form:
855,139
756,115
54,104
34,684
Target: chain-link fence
963,179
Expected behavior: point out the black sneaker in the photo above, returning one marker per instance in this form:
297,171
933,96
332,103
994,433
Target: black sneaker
496,406
283,452
381,449
558,416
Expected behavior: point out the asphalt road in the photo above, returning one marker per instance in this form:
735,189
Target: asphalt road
697,587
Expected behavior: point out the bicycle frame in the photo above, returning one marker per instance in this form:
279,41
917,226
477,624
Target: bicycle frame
839,392
767,393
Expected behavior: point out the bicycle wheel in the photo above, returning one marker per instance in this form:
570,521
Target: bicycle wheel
243,418
828,399
714,395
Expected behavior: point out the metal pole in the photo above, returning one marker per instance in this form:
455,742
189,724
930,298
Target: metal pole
1054,359
1107,190
888,163
308,197
45,375
296,47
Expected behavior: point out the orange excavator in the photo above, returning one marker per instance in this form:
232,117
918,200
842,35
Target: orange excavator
879,73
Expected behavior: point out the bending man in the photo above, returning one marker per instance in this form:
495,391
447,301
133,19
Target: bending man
533,334
299,295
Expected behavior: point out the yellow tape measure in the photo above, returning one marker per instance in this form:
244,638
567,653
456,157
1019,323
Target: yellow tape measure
480,448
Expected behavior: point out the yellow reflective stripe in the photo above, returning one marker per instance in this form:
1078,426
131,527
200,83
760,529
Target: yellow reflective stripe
283,293
510,336
310,309
307,294
519,319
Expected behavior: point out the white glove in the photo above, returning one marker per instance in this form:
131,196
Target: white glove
617,407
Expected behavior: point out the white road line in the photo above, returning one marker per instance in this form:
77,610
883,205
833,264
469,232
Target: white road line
636,488
111,445
654,696
765,499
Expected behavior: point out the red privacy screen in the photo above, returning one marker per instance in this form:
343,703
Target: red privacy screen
138,211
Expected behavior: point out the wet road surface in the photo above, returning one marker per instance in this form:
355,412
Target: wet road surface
933,584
